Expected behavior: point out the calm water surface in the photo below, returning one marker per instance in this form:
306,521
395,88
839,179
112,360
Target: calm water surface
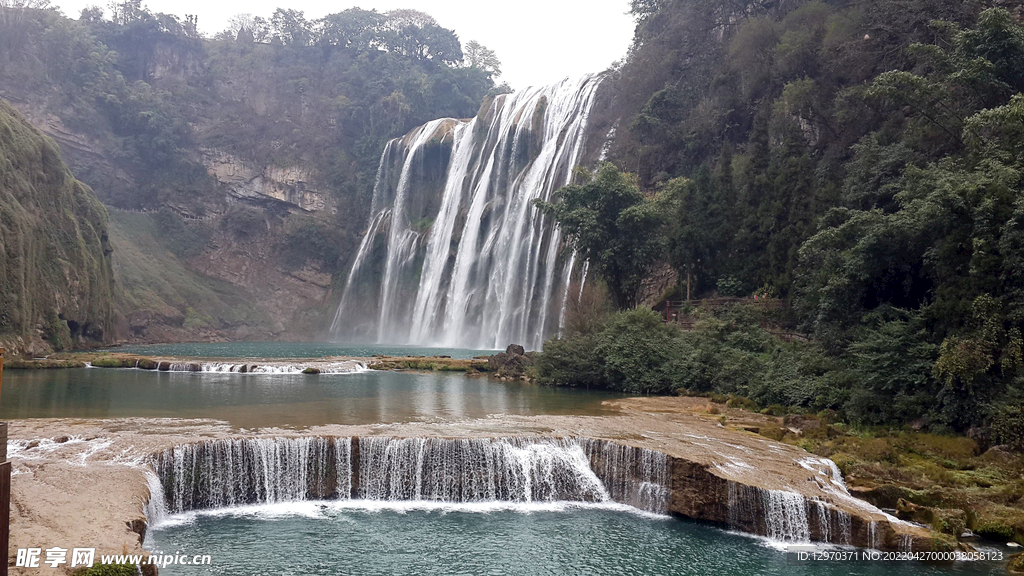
287,400
305,539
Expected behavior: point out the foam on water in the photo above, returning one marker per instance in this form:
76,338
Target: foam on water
480,474
256,368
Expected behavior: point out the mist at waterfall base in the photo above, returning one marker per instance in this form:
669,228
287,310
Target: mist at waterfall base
455,252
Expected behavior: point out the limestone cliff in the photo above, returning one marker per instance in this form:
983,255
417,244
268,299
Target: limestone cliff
291,185
56,279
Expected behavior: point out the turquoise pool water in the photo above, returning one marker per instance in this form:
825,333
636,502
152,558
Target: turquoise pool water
392,540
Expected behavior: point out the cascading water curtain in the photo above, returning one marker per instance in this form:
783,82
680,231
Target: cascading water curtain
455,252
226,473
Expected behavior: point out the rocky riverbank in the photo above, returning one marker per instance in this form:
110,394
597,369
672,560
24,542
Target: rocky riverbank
96,468
322,365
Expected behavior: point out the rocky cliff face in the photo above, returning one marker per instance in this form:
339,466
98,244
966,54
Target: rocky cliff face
292,186
277,301
266,285
56,278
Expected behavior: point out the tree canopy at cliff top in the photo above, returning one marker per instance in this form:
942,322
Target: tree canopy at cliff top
327,92
863,162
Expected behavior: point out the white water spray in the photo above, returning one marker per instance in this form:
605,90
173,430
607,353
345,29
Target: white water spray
479,267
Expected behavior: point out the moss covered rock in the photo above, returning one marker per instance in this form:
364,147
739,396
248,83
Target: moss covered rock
55,268
112,362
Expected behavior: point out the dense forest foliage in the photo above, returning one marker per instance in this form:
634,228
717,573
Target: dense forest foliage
245,161
329,92
864,163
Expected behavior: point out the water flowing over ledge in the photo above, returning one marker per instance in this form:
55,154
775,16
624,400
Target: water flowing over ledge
252,471
647,454
277,366
234,472
455,254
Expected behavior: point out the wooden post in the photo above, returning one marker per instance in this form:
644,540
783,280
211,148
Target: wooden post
5,485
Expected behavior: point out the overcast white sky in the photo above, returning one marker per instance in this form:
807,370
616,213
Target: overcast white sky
537,41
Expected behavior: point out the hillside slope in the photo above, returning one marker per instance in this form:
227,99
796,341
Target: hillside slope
56,277
261,143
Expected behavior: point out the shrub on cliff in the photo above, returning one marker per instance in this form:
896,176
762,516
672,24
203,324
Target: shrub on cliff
108,570
1008,426
611,224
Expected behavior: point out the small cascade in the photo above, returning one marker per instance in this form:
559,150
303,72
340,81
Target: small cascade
844,521
785,516
224,473
834,525
265,368
634,476
455,252
156,506
906,543
824,520
476,470
777,514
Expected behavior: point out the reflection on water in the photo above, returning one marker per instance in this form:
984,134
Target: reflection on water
387,539
299,400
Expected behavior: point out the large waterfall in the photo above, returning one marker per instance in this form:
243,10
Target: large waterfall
455,253
225,473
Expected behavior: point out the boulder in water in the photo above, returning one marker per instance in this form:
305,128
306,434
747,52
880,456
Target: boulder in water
512,363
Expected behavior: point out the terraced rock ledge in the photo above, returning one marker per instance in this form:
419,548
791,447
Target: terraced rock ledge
100,470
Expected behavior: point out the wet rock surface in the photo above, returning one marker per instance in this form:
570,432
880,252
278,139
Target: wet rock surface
732,478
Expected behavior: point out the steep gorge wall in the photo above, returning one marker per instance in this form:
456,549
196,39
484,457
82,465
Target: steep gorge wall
231,281
262,154
56,277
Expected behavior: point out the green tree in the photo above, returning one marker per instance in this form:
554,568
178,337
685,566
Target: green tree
16,25
356,29
613,226
291,28
481,57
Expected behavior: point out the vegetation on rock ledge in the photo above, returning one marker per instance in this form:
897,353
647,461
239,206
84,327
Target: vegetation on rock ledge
55,270
870,175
